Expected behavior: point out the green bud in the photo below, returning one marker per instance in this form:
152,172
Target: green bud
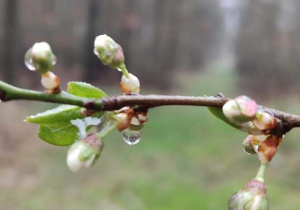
84,153
109,52
252,197
240,110
40,58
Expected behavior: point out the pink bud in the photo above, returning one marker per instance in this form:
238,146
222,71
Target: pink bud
240,110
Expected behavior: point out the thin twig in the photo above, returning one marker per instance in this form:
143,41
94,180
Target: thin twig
9,93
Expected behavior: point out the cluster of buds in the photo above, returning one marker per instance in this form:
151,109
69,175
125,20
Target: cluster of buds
111,53
264,145
130,123
84,153
41,59
252,197
244,112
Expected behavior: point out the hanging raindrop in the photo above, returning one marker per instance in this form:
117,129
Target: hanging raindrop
131,137
28,60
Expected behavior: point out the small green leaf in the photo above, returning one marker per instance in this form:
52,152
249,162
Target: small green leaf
86,90
60,134
62,113
217,112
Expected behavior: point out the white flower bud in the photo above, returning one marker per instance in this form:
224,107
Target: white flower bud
84,153
130,85
109,52
50,81
40,58
240,110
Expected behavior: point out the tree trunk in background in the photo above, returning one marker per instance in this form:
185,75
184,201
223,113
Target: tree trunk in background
257,48
165,41
289,42
90,61
8,49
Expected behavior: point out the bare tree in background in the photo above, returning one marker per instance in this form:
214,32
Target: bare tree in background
89,59
9,42
268,46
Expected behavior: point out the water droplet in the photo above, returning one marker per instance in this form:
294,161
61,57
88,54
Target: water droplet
131,137
28,60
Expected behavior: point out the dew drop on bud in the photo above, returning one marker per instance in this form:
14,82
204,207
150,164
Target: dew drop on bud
131,137
28,60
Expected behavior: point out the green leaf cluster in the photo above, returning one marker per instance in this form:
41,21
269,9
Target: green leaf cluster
55,125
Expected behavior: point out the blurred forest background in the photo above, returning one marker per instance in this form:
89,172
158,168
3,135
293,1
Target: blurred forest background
190,47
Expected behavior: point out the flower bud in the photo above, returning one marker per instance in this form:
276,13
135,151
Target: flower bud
249,148
84,153
50,81
251,143
240,110
130,84
135,124
249,127
252,197
267,149
40,58
109,52
264,120
123,121
142,117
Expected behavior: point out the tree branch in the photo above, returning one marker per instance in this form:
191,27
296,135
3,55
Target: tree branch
9,93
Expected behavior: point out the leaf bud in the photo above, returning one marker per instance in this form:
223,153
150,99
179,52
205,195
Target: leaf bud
109,52
264,120
252,197
130,84
84,153
268,148
240,110
40,58
50,81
